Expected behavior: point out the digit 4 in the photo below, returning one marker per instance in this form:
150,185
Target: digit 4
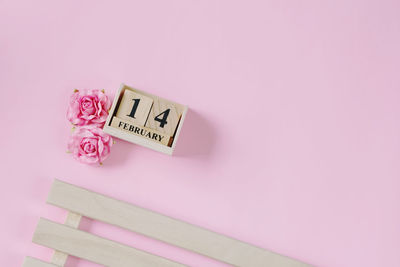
162,120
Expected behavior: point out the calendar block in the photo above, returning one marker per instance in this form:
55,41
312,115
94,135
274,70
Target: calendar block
145,119
164,116
144,132
134,107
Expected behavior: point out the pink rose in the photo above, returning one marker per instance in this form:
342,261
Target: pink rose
89,144
88,107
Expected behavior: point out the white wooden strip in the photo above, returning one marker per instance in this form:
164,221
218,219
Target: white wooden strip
166,229
73,219
32,262
94,248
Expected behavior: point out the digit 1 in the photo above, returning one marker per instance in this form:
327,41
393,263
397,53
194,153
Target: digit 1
134,108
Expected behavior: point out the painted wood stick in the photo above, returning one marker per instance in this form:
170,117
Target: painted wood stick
163,228
33,262
94,248
73,219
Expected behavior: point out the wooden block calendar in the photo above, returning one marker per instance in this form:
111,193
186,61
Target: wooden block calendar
145,119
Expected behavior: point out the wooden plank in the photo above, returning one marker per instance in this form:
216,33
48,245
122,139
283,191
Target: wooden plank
94,248
73,219
33,262
166,229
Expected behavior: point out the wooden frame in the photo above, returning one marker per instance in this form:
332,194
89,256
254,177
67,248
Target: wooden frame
137,139
67,240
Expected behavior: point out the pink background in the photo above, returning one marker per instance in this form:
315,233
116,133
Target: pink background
292,139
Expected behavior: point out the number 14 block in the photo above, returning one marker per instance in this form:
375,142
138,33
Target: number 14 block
145,119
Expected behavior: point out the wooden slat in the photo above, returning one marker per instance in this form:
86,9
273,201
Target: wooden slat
73,219
32,262
94,248
166,229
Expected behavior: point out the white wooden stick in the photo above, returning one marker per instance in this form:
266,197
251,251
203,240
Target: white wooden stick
32,262
94,248
73,219
166,229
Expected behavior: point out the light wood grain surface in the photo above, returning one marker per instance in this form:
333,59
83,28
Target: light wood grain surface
94,248
73,219
169,230
32,262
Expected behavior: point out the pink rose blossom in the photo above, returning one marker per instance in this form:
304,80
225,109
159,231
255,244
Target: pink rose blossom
88,107
89,144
